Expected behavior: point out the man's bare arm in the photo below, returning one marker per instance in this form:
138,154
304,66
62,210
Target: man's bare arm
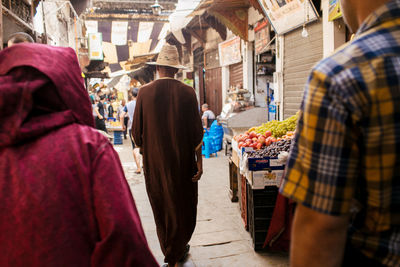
121,119
96,109
205,122
317,239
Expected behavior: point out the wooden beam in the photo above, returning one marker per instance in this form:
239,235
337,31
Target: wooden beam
201,39
212,22
188,40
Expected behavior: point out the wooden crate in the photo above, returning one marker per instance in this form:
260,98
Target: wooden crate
233,181
261,204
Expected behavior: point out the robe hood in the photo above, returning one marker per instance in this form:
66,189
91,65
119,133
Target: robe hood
41,89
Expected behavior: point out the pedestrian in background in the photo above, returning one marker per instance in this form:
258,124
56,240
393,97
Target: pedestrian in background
64,198
18,38
129,110
167,128
208,116
125,119
101,114
344,167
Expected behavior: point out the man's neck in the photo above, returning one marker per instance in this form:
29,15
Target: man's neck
366,9
164,75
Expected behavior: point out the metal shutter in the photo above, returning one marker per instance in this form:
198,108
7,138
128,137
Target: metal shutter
300,55
236,74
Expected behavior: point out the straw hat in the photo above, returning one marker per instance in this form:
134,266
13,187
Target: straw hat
168,57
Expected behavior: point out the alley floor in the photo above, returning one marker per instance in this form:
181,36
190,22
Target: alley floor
220,238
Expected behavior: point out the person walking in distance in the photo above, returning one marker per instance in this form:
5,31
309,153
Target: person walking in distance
125,120
130,110
344,167
208,116
101,116
63,189
167,128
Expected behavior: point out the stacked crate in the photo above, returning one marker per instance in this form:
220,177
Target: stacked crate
261,204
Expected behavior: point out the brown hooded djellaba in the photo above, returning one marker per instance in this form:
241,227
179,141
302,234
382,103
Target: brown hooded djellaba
167,127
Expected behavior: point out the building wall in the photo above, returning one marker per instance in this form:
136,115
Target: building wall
334,32
59,23
300,55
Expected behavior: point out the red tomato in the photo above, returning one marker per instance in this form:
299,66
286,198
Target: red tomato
241,144
267,134
253,135
261,140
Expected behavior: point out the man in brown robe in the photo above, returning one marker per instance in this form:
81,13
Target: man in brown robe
167,127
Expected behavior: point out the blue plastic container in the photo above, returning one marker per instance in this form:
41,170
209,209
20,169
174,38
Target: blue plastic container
118,138
208,147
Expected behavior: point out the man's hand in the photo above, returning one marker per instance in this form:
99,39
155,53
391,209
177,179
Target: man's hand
198,175
317,239
199,162
101,117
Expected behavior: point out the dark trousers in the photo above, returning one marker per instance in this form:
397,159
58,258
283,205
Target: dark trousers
101,125
126,119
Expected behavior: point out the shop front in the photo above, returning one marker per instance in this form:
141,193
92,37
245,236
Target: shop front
300,54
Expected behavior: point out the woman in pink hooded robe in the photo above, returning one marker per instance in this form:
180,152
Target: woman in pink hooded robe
63,194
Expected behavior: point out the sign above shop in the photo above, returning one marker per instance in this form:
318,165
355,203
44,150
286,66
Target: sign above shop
95,46
287,15
262,38
230,52
335,11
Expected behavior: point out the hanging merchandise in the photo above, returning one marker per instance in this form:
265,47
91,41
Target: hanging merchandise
272,109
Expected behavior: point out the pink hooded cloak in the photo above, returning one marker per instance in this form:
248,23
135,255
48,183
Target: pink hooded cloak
63,194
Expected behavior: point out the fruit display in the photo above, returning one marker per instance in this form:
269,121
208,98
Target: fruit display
113,124
254,140
277,128
258,141
273,150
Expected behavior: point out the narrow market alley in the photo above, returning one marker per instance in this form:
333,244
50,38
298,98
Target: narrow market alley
220,238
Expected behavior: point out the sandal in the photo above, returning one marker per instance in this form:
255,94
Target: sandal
185,254
138,172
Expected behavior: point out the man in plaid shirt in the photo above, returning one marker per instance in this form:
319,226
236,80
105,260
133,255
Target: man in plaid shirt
344,167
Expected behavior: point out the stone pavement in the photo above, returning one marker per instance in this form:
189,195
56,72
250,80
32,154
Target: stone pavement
220,238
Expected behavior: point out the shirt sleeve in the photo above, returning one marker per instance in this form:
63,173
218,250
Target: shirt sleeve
125,109
323,163
122,240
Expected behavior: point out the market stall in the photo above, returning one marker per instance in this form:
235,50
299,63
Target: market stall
115,126
259,156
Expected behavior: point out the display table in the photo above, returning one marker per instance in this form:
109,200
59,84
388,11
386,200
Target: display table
118,130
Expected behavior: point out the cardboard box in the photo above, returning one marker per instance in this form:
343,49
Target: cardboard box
244,150
261,179
267,163
235,145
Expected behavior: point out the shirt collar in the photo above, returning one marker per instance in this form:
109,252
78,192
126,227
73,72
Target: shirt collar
384,13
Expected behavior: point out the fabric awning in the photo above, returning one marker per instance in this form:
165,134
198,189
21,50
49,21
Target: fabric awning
123,41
